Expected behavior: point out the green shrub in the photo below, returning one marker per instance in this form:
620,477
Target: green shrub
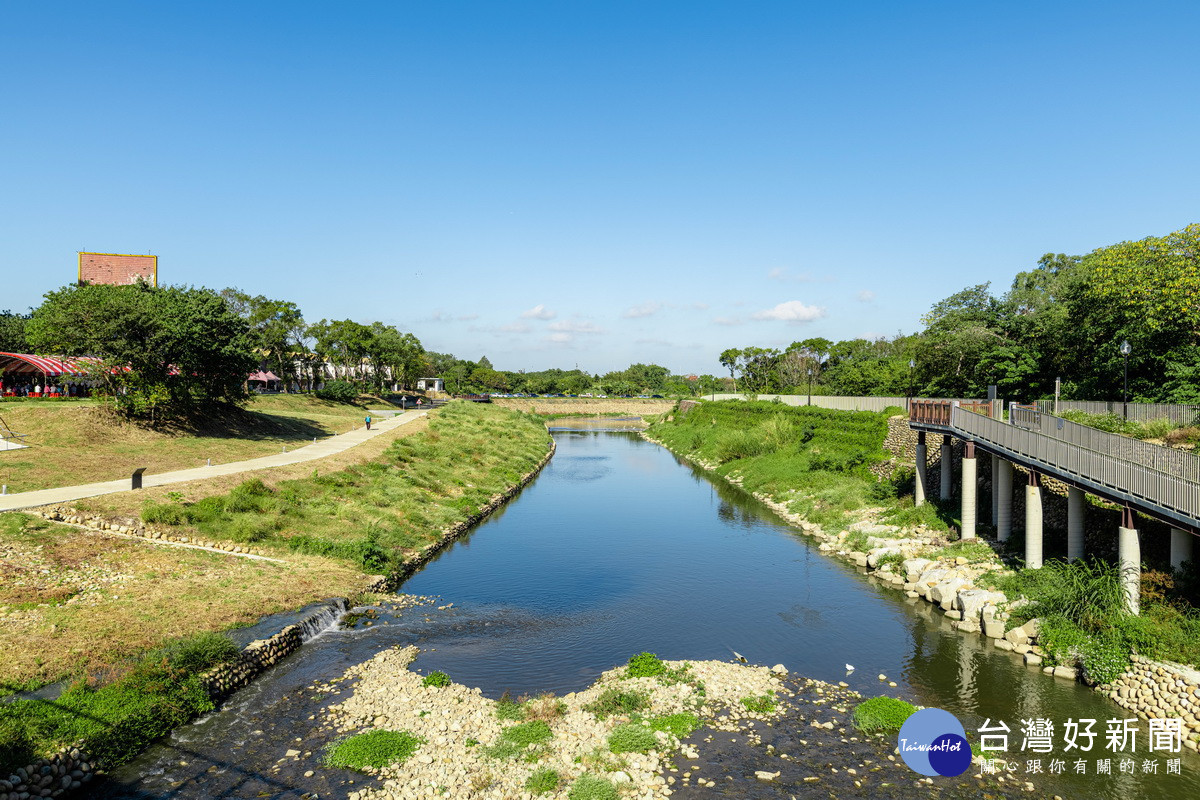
895,559
645,665
763,704
631,738
590,787
616,701
375,749
338,391
856,540
164,514
881,714
201,651
543,780
437,678
515,738
1102,660
678,725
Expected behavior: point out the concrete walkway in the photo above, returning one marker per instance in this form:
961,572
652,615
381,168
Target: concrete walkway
327,447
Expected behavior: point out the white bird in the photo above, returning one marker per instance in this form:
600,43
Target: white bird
849,668
738,655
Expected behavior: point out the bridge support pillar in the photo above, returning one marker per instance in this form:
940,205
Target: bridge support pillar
947,470
969,483
1004,477
1129,554
995,493
921,463
1033,523
1074,523
1181,547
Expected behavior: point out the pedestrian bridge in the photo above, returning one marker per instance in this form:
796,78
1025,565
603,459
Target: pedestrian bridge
1157,481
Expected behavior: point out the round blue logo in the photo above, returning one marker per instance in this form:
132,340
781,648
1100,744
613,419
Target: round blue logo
933,742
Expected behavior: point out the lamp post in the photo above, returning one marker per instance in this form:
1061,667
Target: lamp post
810,385
912,362
1125,350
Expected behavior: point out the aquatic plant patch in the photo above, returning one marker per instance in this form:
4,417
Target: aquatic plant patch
374,749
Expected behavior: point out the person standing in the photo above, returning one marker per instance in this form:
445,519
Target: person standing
368,422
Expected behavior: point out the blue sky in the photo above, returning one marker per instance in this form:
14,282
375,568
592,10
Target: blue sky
592,183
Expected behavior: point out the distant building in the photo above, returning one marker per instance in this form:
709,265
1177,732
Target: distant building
431,385
119,269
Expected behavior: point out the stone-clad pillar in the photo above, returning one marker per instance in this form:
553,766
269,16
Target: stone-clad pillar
1033,523
968,491
947,469
919,488
1129,555
1075,515
1004,477
1181,547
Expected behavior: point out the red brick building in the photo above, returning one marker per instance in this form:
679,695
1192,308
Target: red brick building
118,269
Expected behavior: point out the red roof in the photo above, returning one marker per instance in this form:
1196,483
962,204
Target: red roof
50,366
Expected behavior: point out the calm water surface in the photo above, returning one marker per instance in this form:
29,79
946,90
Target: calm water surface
617,548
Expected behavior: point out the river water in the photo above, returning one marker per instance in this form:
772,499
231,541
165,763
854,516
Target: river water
616,548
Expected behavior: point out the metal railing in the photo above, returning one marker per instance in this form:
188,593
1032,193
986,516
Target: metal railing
1152,456
1114,470
937,412
1138,412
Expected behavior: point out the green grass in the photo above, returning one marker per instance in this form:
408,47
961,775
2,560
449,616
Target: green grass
881,714
591,787
437,679
645,665
678,725
632,738
543,781
762,704
374,514
375,749
507,708
516,738
614,701
974,550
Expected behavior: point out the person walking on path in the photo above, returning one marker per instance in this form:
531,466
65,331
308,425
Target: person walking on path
368,422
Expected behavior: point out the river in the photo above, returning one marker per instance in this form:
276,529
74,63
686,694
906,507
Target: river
619,547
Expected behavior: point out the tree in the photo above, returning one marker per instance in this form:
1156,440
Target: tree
276,330
160,349
12,332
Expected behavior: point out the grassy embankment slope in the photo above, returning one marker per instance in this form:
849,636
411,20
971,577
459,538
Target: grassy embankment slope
81,442
103,601
818,461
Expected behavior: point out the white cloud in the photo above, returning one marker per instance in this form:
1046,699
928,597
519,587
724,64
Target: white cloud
785,275
865,296
559,338
727,321
700,306
581,326
791,311
643,310
539,312
515,327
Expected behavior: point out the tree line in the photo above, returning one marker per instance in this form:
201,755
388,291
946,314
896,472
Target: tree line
1064,319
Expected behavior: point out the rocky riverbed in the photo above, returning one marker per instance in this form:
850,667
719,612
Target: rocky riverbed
799,741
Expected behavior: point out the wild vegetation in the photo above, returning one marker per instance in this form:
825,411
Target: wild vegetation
818,461
1065,318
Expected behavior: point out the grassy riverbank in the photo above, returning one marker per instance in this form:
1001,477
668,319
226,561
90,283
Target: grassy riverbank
818,462
83,604
73,443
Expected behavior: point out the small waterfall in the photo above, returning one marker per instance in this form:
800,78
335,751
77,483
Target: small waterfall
322,619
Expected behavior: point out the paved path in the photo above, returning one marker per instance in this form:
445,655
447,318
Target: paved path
327,447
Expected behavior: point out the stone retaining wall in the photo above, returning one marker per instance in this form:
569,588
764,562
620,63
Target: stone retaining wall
1158,689
66,772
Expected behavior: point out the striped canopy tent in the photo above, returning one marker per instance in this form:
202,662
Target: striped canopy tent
22,364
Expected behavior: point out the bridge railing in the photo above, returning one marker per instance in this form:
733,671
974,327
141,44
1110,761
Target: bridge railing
1152,456
937,412
1164,489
